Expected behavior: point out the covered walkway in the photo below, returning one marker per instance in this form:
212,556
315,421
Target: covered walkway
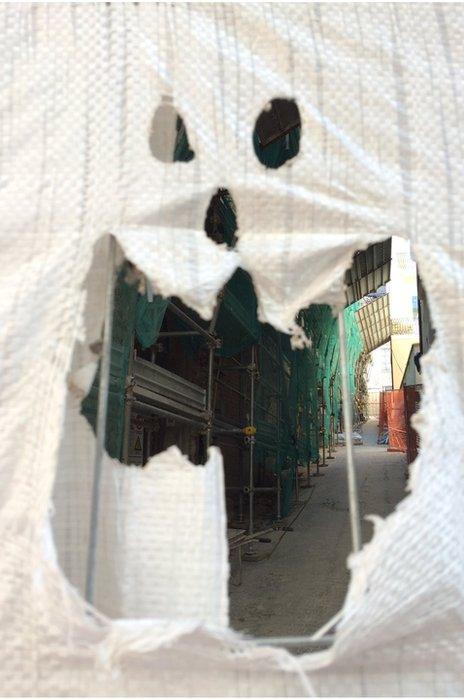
304,581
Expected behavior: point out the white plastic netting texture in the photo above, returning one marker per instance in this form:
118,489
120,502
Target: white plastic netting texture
379,89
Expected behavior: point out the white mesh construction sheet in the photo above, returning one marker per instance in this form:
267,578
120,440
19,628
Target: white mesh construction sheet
379,89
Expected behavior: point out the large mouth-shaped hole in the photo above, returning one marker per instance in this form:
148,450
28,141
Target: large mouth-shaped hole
276,414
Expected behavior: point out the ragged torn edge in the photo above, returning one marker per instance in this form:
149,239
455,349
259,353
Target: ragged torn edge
110,642
148,635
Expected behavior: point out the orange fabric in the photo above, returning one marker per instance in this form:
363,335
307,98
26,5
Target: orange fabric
396,417
383,424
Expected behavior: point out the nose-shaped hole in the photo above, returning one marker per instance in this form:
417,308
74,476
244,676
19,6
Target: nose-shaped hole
168,134
277,132
221,218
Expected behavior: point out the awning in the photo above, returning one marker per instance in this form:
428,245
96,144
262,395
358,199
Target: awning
370,270
374,323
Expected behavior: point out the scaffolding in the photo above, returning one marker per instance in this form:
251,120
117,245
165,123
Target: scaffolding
287,403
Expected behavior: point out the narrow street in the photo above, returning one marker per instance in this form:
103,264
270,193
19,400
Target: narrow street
302,584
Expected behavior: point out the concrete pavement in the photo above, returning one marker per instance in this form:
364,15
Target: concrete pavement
304,581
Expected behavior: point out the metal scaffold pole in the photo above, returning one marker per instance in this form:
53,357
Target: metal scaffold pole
213,344
279,416
318,459
128,404
102,412
347,416
252,441
323,407
209,397
331,401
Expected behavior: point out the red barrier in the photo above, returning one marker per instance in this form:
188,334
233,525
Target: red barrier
383,423
396,408
396,418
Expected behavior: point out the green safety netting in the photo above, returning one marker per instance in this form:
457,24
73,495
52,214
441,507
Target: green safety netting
133,313
324,360
355,345
276,444
149,317
277,153
237,323
125,297
182,151
226,216
303,396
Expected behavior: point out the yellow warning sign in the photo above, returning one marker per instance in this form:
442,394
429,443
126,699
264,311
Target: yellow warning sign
138,444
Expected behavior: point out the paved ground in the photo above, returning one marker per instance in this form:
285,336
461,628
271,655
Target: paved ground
304,581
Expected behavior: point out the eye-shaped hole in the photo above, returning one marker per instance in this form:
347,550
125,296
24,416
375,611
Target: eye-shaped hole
277,132
221,218
168,134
